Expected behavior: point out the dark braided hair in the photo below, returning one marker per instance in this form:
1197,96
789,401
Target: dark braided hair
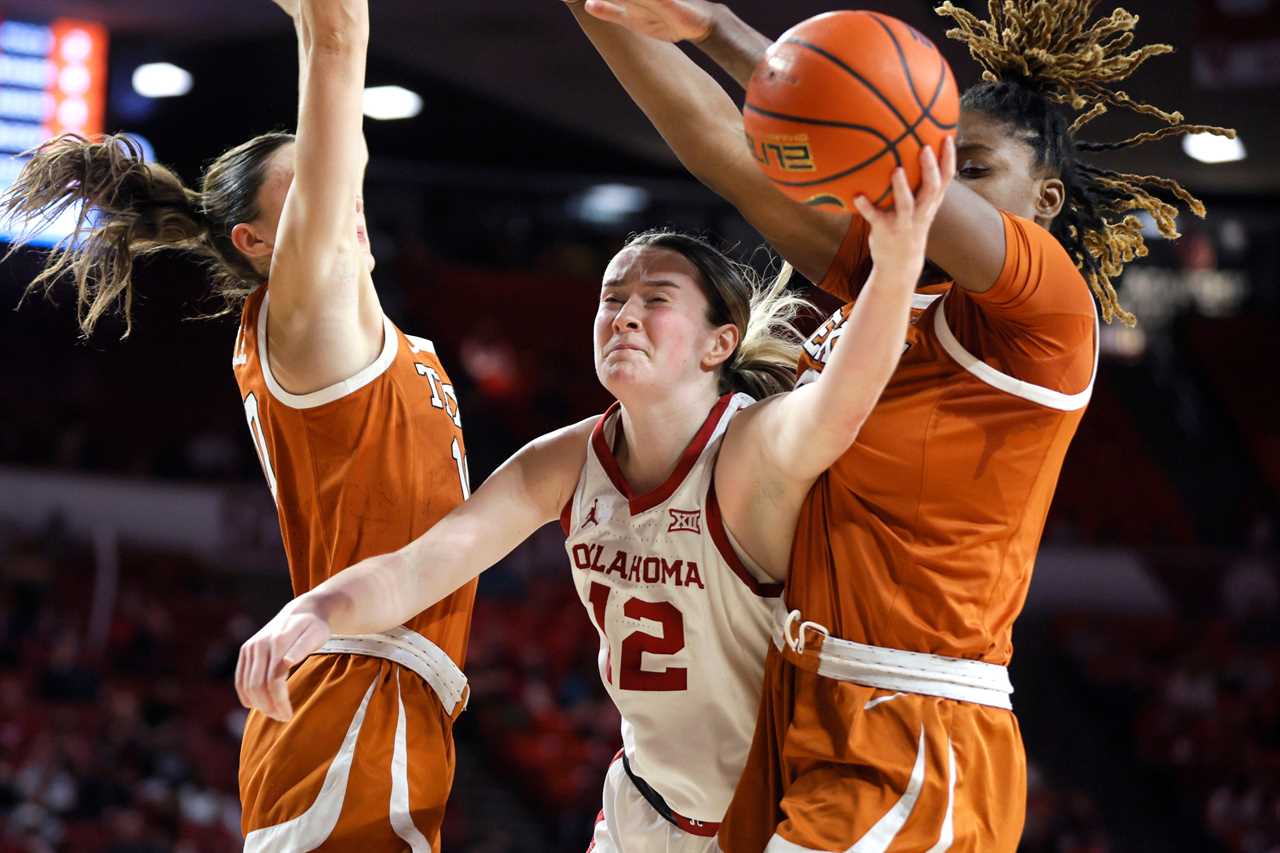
1043,61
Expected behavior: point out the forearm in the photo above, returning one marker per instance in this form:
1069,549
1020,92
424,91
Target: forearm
526,492
318,222
734,45
863,361
335,25
304,49
382,592
804,432
372,596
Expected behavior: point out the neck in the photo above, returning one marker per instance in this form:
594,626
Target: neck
654,435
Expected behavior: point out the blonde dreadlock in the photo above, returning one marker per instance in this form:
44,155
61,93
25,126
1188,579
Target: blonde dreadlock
1037,52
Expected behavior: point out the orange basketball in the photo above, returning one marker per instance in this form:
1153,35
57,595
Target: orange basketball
843,99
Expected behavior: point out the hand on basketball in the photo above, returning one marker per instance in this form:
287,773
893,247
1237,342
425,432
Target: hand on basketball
266,658
898,236
665,20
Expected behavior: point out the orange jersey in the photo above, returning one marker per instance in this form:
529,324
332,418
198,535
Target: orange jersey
922,537
360,468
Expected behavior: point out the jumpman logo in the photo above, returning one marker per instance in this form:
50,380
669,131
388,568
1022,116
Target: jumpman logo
591,516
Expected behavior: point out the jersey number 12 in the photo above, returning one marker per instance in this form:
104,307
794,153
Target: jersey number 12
631,676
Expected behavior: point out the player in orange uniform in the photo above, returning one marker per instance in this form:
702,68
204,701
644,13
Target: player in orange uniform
886,723
356,425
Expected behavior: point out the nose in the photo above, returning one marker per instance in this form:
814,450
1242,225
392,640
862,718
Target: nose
628,317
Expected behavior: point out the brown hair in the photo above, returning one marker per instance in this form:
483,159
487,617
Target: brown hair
769,345
1041,58
130,209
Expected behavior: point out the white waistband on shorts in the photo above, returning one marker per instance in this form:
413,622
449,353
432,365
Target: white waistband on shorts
908,672
412,651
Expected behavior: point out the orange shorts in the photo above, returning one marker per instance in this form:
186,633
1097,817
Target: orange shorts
837,766
364,766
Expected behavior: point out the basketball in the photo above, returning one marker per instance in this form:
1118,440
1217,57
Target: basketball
843,99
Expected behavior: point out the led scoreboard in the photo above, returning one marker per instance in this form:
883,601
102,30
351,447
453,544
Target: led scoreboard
53,80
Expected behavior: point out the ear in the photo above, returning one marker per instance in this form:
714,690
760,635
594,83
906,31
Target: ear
1051,197
724,342
250,243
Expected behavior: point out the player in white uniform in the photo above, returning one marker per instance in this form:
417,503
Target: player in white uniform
685,620
662,499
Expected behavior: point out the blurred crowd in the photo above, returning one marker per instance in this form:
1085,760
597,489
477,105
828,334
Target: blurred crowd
1200,695
123,739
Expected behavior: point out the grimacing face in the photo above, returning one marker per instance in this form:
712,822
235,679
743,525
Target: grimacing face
261,241
651,329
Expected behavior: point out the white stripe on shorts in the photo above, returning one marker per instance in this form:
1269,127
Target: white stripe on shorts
309,830
881,836
401,817
948,827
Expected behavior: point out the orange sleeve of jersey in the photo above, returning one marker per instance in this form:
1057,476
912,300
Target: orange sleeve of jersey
852,264
1038,318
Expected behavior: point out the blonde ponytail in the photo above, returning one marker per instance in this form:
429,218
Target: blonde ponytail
129,209
765,363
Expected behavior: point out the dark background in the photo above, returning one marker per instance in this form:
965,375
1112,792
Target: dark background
1147,662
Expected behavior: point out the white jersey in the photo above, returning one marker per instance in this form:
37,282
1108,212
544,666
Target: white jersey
684,622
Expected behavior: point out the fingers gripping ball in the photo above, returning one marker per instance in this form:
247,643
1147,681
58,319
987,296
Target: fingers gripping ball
843,99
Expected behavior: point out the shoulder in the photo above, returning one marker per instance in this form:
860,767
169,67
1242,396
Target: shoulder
745,445
573,437
561,451
1037,265
547,469
751,415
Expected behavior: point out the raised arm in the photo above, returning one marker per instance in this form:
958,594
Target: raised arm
967,237
815,424
381,592
704,128
776,449
794,437
325,323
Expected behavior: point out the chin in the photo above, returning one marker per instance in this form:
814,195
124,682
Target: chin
622,381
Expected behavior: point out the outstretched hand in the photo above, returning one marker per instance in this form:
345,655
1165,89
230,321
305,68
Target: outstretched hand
898,236
266,658
665,20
